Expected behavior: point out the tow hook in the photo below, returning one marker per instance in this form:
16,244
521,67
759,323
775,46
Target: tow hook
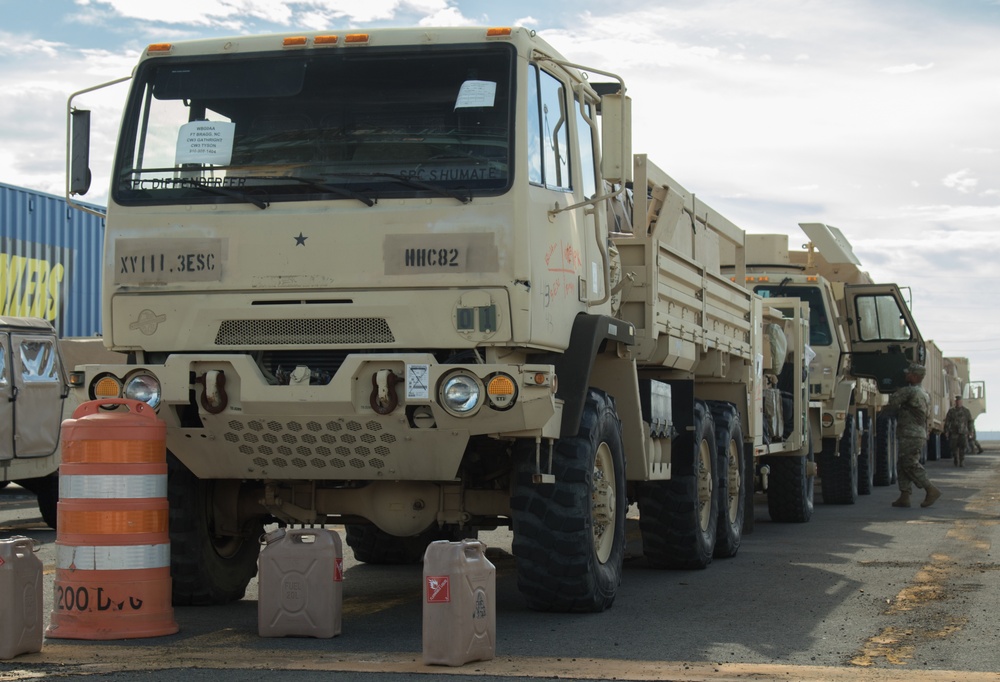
213,398
384,398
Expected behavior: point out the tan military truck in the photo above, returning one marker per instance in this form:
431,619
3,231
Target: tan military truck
863,336
958,383
941,385
33,387
399,279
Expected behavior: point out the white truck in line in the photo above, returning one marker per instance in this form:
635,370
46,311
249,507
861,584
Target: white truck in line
416,282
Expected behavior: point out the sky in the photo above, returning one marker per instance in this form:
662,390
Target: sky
880,117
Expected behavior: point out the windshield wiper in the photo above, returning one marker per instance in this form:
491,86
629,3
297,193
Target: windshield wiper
320,185
222,191
420,184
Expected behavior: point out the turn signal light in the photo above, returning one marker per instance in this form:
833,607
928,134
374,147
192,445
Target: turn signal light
501,390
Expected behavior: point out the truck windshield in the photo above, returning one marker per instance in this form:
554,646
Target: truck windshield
342,124
819,325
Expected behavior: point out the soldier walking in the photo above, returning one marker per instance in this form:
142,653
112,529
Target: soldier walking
958,424
910,406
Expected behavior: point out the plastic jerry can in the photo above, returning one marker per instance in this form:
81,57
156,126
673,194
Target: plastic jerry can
459,603
21,625
300,583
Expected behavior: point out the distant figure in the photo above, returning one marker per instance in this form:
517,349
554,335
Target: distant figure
910,406
958,424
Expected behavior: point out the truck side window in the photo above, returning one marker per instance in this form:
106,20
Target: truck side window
3,365
585,142
548,131
880,319
38,358
819,325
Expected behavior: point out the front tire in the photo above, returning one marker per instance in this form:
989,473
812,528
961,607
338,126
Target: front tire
790,488
866,459
732,479
840,473
206,567
885,450
569,536
678,518
46,489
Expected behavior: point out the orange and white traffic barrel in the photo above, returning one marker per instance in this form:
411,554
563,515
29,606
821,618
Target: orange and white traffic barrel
112,539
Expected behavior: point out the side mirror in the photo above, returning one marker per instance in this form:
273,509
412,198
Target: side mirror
616,138
79,150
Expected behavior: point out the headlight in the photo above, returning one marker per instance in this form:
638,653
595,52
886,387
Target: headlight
461,394
143,387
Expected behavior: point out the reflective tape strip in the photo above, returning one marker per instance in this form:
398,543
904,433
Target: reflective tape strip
113,521
112,558
114,452
112,487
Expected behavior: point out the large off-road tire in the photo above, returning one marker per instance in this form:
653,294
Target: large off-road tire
678,518
886,450
206,568
790,488
569,536
749,515
938,446
372,545
866,459
732,479
840,474
46,489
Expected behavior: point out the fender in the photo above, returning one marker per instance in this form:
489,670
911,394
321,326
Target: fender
589,335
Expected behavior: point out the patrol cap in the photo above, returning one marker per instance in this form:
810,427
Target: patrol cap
916,368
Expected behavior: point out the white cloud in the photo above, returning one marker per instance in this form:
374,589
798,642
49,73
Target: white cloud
962,180
238,13
906,68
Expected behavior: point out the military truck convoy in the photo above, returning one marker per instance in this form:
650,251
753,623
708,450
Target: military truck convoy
416,282
863,336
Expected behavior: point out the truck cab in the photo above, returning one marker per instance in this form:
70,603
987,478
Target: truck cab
33,388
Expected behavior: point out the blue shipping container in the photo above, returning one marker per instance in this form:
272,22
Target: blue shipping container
50,261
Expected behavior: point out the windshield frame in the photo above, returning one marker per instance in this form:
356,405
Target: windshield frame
455,172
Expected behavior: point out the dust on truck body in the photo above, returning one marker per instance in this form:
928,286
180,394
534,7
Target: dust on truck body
390,279
863,337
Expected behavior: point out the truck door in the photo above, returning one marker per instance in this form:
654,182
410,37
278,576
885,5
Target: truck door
884,337
40,388
974,397
6,401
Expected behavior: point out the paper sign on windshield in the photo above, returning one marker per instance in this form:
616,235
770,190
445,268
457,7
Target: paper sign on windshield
476,94
206,142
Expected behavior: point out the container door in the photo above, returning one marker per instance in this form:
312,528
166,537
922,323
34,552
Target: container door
884,337
40,388
6,401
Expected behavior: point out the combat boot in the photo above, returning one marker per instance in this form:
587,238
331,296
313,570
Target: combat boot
931,496
903,500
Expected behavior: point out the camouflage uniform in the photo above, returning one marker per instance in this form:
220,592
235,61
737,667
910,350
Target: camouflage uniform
910,405
958,425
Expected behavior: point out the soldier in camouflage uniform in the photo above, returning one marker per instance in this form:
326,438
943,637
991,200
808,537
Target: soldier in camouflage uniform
958,424
910,406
